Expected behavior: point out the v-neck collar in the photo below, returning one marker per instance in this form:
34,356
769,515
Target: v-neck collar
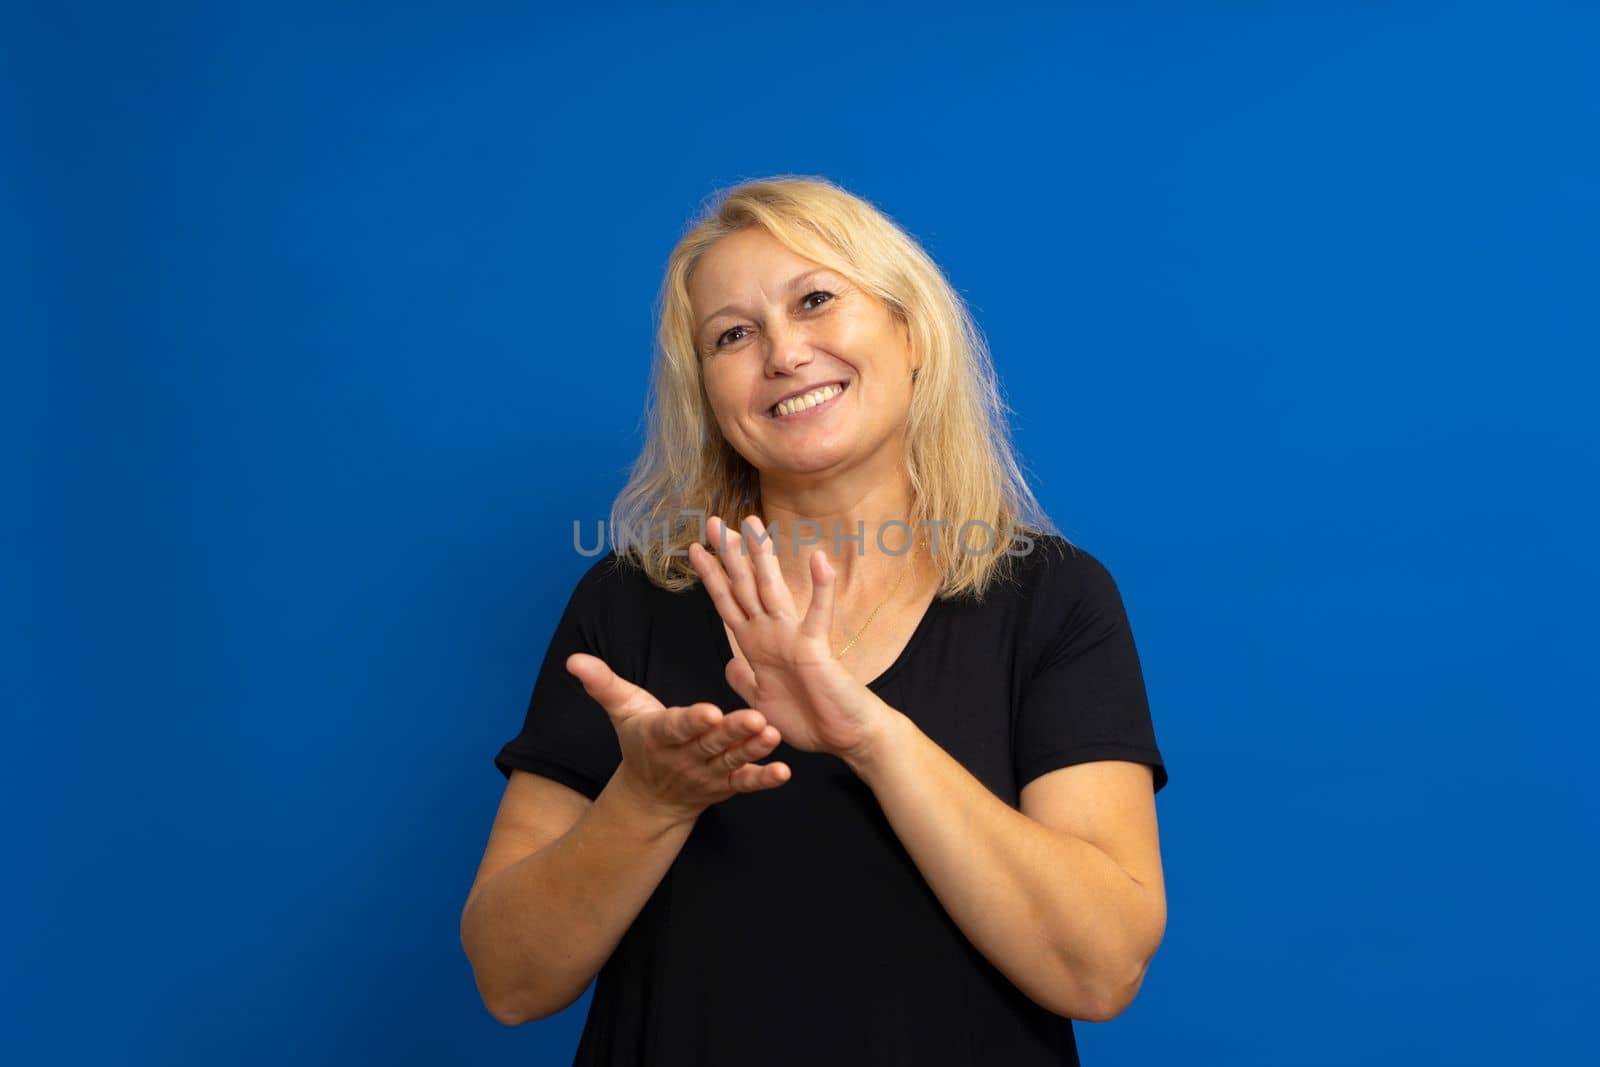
720,636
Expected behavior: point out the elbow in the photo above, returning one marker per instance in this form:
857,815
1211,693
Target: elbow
505,1015
1116,991
1120,981
515,1013
1114,988
512,1007
506,1010
511,990
1108,1003
509,1007
500,1011
499,1006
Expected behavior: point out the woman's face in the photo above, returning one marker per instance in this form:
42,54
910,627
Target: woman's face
770,324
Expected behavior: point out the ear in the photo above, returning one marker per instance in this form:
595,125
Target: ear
904,326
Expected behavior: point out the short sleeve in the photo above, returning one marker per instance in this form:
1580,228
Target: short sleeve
1085,698
566,735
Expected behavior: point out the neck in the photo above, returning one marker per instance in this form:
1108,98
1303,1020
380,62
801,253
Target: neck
865,532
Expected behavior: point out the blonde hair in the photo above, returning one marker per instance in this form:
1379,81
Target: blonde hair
958,445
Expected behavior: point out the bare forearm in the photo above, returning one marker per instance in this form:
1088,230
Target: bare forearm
1052,912
538,931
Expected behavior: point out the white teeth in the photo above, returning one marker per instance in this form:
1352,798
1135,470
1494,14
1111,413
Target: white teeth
808,400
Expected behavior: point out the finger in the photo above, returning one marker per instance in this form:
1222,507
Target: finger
761,745
742,680
620,697
731,731
754,777
715,578
747,749
818,622
769,576
736,561
679,726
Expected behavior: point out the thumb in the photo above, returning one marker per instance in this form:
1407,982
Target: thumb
742,679
818,622
620,697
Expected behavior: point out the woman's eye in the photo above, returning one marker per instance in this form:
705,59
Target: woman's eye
728,338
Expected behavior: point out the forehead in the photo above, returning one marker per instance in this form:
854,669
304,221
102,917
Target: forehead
744,264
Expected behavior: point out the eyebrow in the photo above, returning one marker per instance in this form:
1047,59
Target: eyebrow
790,286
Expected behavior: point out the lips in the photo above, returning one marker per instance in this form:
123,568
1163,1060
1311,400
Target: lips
840,384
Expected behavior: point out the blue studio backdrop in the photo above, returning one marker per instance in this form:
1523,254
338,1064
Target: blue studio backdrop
324,322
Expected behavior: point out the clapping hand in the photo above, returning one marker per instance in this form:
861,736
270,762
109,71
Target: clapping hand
792,676
680,761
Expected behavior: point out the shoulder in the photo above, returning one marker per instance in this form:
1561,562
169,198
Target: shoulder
1068,598
1060,572
606,575
615,590
614,575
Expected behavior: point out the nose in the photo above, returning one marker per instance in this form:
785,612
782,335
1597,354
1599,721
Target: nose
787,350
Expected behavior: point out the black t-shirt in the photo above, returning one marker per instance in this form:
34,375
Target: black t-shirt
793,927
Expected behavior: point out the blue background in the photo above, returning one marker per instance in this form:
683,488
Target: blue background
331,318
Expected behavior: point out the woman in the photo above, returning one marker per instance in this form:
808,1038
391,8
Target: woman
955,851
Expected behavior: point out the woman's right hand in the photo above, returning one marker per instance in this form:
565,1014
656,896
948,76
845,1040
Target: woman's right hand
681,761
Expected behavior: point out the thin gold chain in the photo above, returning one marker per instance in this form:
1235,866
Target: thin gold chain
840,654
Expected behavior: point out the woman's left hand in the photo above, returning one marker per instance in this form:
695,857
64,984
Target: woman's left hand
792,677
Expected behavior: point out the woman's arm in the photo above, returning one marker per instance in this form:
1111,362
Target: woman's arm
538,931
539,928
1058,909
1059,916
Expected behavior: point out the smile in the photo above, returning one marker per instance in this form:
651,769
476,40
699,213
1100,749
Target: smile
807,403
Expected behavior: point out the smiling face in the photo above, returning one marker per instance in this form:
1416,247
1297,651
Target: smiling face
770,324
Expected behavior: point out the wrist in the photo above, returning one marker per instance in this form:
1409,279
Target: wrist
643,810
879,742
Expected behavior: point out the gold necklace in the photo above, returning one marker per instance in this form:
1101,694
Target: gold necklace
840,654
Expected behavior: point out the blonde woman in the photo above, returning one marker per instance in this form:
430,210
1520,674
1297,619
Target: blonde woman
952,851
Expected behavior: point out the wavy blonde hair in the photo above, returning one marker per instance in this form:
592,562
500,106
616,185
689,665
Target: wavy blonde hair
958,446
